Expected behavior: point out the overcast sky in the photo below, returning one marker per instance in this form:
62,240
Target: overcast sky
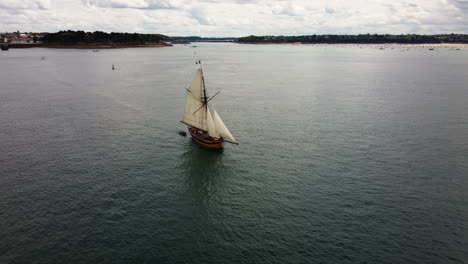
219,18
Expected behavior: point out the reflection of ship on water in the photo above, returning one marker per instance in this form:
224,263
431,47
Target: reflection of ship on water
200,195
202,161
203,172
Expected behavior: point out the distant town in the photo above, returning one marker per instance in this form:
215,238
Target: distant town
21,37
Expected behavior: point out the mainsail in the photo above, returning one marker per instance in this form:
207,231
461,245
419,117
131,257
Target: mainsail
194,115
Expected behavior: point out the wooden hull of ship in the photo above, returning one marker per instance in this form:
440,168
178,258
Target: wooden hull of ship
216,144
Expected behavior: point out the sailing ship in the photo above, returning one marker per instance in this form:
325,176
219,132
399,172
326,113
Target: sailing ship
206,128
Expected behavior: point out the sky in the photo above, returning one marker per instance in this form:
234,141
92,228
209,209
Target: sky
236,18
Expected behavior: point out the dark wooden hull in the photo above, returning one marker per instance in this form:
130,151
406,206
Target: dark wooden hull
203,141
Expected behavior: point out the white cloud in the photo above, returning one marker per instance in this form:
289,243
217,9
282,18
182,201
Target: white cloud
24,4
135,4
237,17
462,4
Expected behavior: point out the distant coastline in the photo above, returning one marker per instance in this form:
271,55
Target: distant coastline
89,46
83,40
358,39
373,45
164,44
106,46
102,40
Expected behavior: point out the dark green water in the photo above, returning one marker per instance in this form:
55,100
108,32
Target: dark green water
346,155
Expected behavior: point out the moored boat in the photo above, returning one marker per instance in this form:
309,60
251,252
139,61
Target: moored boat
206,129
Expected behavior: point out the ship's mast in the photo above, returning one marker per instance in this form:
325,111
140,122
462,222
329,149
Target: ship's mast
205,98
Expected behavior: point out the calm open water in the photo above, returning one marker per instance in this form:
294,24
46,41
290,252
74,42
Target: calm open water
346,155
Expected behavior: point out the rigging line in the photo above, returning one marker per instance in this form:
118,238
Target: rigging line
213,96
199,108
207,102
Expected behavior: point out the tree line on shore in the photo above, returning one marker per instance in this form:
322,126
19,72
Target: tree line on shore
70,37
80,37
359,39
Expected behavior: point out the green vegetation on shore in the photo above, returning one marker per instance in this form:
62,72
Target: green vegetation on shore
201,39
74,38
359,39
99,39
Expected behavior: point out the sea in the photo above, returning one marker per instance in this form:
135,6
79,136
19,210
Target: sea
347,154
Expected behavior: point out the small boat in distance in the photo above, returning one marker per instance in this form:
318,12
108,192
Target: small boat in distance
205,128
5,47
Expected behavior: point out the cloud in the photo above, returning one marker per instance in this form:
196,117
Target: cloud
135,4
288,9
462,4
25,4
329,10
201,16
237,17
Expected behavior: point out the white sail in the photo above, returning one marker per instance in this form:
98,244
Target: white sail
212,131
221,128
193,115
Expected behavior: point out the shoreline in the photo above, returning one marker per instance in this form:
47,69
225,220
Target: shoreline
108,46
88,46
376,45
164,44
